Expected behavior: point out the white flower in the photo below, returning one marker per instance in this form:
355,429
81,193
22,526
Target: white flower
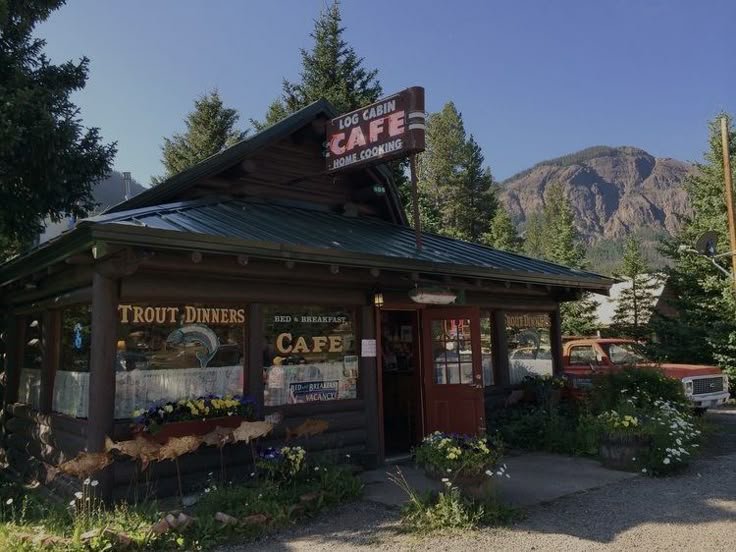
507,476
644,470
449,470
316,468
666,461
95,483
445,480
489,473
347,456
9,501
87,481
71,503
78,495
253,474
633,459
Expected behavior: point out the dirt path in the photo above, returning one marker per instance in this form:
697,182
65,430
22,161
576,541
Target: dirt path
694,511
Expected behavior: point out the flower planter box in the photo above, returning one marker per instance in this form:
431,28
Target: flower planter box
621,452
479,487
190,427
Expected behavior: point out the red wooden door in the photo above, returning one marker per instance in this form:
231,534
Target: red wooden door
451,362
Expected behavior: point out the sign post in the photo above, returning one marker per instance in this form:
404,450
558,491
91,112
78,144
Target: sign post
390,128
729,193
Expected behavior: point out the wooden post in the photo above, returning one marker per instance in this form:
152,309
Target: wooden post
555,338
101,416
727,177
50,336
14,338
369,386
254,378
415,199
498,328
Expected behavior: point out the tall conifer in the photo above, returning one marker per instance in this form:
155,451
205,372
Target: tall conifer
502,233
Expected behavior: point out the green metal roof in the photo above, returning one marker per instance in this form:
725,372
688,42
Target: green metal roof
278,230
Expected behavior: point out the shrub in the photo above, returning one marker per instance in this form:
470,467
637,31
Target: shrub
647,385
282,464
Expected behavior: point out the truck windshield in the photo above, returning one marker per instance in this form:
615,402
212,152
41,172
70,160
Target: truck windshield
625,353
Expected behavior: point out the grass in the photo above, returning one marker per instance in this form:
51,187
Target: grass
30,521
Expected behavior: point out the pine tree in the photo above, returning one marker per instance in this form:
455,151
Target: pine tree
534,236
562,245
331,70
704,330
49,162
502,233
210,129
636,303
471,203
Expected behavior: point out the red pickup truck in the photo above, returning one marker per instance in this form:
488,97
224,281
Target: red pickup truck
705,386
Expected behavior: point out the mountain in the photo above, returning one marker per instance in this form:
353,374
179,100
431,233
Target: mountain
107,193
614,192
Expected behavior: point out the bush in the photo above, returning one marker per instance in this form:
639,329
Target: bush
647,385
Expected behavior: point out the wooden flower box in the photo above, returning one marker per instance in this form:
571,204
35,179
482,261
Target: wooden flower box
190,427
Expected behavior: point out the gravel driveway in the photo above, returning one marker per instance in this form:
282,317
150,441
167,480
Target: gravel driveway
694,511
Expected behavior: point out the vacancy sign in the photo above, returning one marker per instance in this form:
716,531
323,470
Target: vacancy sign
388,129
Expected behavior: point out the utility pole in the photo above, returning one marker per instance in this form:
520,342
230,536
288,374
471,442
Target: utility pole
727,177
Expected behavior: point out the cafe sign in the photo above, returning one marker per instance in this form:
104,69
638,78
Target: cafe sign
388,129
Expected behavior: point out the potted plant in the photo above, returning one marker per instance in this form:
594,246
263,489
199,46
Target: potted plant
469,462
623,440
164,420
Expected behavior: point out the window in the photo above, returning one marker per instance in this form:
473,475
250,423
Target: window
309,355
452,352
167,352
71,381
583,356
486,349
626,353
29,385
528,340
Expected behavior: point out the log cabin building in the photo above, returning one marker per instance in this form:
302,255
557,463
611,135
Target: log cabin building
256,272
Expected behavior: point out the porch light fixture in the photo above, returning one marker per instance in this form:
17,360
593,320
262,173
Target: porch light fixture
432,296
378,300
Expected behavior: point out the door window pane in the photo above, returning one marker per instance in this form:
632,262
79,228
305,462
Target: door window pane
528,340
452,354
309,355
486,349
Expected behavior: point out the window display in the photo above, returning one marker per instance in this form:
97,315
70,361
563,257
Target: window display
163,353
528,340
309,355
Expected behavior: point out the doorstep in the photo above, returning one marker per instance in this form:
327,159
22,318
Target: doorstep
536,478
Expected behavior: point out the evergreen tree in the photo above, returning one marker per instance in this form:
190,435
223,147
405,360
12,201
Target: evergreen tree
562,245
331,70
635,303
469,205
49,162
534,236
704,330
440,164
502,233
210,129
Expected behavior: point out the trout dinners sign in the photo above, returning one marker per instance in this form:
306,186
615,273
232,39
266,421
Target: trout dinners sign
392,127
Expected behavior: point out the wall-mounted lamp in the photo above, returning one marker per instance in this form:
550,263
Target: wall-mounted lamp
378,300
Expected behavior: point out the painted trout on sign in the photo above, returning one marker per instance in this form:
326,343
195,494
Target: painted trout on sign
196,334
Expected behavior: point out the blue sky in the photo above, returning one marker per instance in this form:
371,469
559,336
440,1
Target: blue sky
533,79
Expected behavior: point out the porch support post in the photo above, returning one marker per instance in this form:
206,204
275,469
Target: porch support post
50,335
555,338
254,379
369,387
14,337
101,416
501,348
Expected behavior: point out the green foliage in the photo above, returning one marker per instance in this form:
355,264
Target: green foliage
704,330
605,254
48,161
449,510
283,464
502,233
636,303
457,197
27,518
443,453
331,70
645,384
534,236
210,129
